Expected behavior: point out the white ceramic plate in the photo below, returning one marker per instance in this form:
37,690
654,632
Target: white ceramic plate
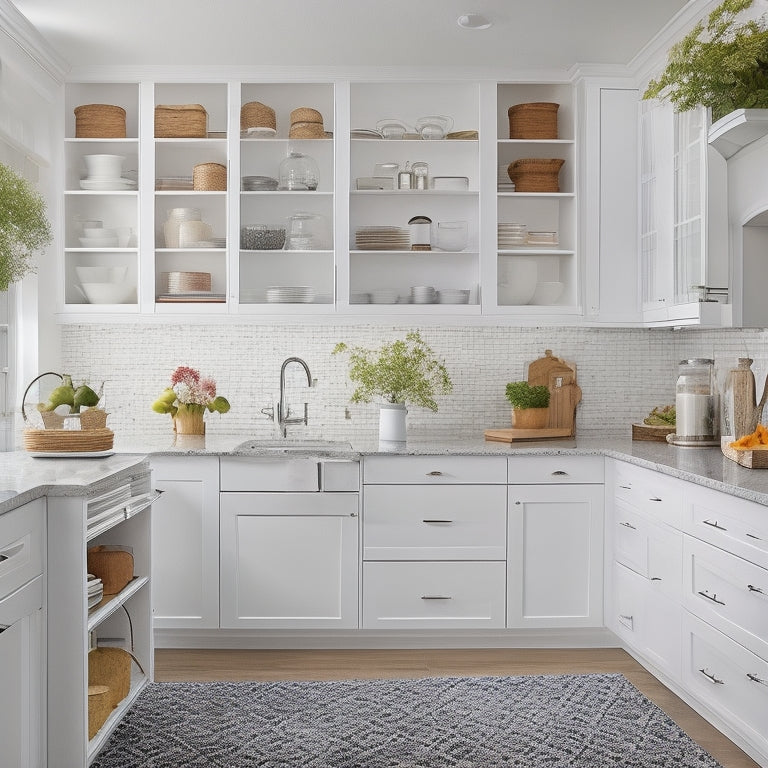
69,454
103,185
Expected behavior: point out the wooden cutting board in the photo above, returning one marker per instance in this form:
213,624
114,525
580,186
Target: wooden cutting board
546,370
515,435
754,458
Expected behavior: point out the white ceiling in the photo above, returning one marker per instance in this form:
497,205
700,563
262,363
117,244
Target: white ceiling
526,34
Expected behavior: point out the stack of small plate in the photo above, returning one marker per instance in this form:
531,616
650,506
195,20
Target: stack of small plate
259,184
94,590
384,296
359,298
511,235
542,238
283,294
174,183
382,239
187,282
453,296
423,294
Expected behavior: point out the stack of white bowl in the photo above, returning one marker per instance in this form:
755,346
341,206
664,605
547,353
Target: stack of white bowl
172,225
99,237
105,172
104,285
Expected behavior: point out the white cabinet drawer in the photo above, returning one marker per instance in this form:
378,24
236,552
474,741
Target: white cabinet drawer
648,548
21,545
433,595
556,469
728,592
726,677
738,525
464,522
246,473
651,492
434,470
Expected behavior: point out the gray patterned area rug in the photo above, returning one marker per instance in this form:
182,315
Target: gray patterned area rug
542,721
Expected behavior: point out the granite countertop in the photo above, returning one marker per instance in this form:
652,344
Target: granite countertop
31,477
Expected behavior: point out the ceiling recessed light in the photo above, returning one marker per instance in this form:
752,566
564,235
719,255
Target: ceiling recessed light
473,21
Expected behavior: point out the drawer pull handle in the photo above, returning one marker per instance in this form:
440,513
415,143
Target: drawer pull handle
655,498
714,525
752,536
435,473
628,525
437,521
559,472
756,679
626,487
713,598
711,677
656,578
435,597
3,627
626,616
753,588
7,554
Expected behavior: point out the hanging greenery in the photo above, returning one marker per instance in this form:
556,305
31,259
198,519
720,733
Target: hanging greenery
723,65
24,228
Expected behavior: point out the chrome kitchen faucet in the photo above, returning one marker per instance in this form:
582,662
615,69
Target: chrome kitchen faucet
281,414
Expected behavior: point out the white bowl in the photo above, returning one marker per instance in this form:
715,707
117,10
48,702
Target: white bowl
107,293
515,293
104,166
101,274
98,242
547,293
99,232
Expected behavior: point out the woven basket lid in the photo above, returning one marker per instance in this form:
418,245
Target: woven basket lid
306,115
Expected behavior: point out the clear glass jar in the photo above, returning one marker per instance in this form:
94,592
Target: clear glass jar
697,401
298,172
420,172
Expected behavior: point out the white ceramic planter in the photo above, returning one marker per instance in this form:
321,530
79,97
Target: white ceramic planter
392,423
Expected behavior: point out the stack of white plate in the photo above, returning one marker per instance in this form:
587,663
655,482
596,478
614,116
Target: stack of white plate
453,296
94,590
382,238
174,183
423,294
511,235
99,237
384,296
296,294
359,298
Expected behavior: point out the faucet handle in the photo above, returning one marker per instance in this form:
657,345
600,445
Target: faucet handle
269,411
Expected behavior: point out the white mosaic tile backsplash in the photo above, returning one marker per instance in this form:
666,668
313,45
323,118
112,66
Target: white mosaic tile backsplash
623,373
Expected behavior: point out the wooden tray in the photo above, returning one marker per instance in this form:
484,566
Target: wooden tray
753,458
651,433
515,435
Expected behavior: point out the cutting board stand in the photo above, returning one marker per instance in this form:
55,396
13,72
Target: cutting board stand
560,377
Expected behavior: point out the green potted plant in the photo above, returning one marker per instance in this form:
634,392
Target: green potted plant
530,405
403,372
722,65
24,228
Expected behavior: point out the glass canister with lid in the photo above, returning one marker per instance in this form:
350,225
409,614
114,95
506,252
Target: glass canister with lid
697,403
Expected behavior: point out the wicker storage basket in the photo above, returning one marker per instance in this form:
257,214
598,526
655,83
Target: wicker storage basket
112,564
306,131
181,121
99,121
211,177
306,115
99,707
93,418
254,114
537,120
110,667
536,175
68,440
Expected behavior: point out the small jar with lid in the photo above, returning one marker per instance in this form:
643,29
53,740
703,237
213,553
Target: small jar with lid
420,175
405,178
697,402
421,233
298,172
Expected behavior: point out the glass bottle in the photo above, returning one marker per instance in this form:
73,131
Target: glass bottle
739,406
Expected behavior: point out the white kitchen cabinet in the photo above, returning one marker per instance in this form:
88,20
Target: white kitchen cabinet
555,555
434,542
538,211
185,542
113,208
289,560
683,220
22,636
120,514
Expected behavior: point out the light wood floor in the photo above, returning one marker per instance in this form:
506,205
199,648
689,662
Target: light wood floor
210,665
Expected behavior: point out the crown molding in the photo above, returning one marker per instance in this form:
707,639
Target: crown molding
30,44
